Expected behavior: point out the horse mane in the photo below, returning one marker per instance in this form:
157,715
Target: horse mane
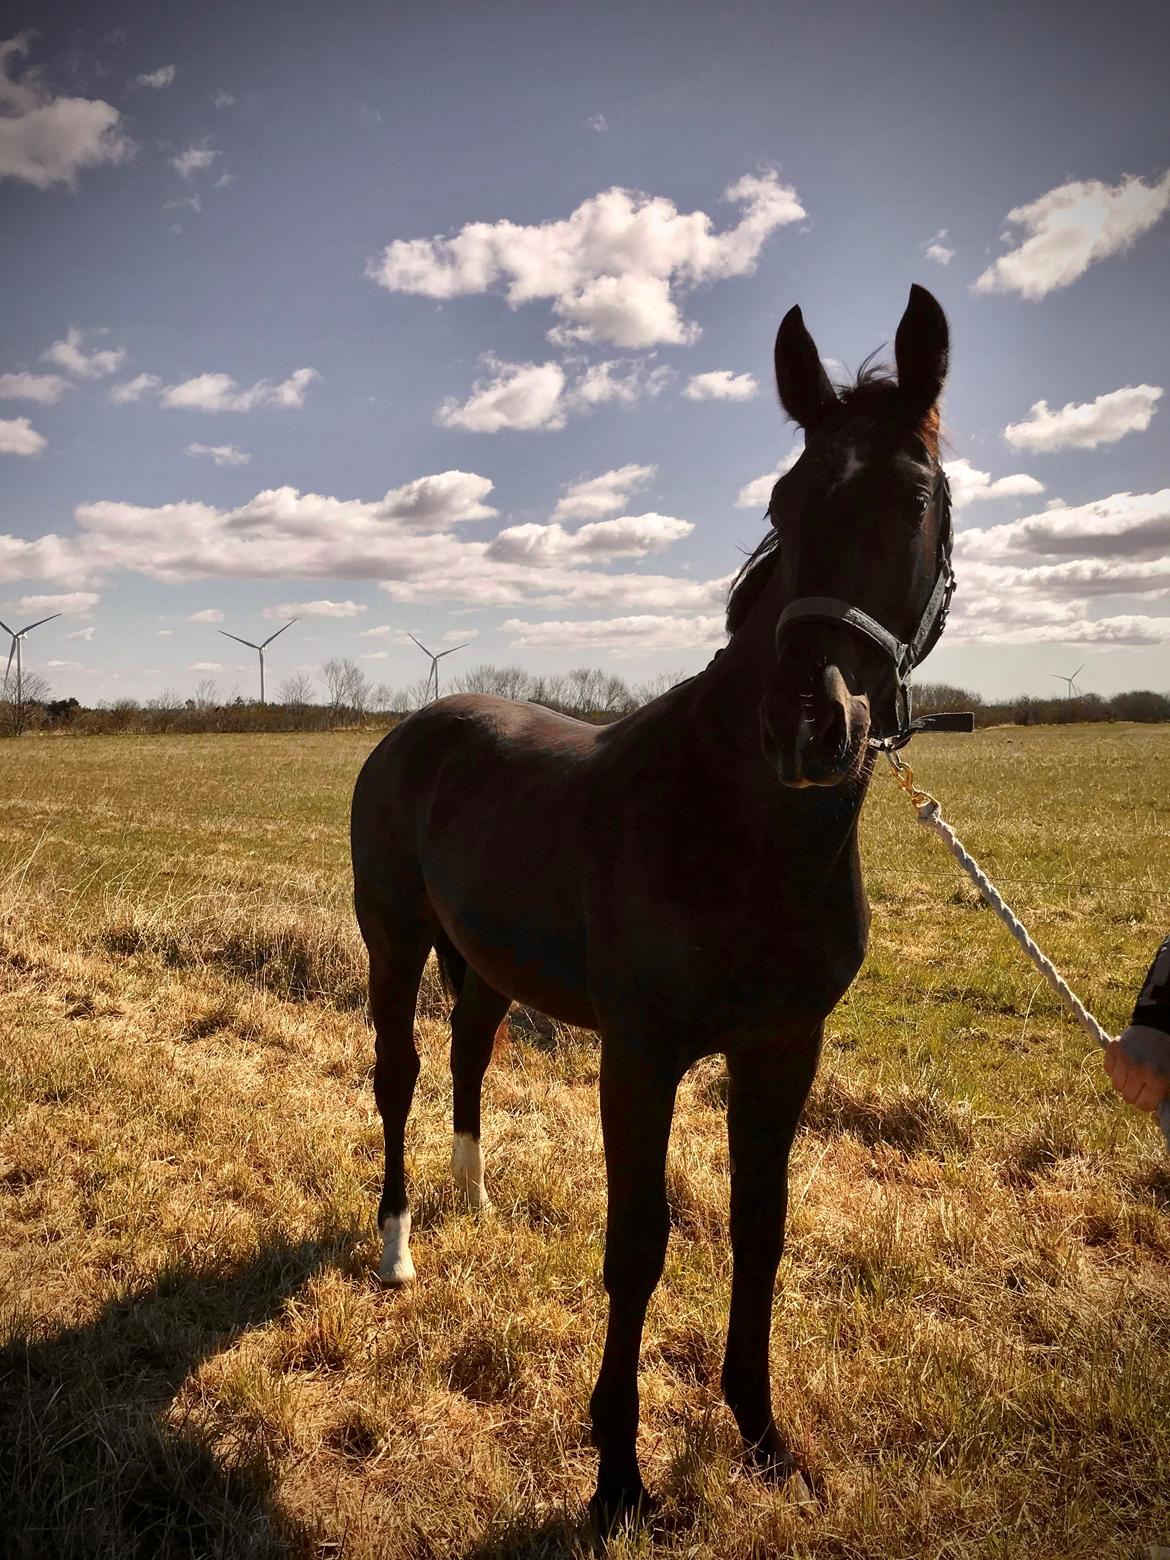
874,390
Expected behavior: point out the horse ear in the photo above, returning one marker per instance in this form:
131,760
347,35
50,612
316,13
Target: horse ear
922,351
805,392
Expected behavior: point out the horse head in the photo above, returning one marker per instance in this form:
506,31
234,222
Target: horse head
859,574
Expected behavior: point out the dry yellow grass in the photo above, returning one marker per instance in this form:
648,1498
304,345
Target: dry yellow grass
972,1343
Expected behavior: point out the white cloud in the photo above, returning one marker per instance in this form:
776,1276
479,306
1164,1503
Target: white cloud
63,666
527,396
164,633
156,79
47,140
610,271
934,249
1071,228
19,437
602,541
207,615
85,634
969,485
1103,421
594,497
459,636
598,122
47,389
195,159
222,99
1123,525
71,355
134,389
721,385
207,666
1038,580
642,633
221,393
315,609
404,541
757,494
76,603
221,454
521,395
617,379
384,631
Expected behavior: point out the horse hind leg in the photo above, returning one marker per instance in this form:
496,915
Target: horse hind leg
476,1017
398,950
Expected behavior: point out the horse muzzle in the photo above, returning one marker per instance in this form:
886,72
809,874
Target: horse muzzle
817,736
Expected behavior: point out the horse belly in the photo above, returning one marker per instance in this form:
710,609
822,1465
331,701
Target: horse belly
519,928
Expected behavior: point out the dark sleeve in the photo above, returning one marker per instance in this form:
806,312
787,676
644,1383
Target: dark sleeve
1153,1003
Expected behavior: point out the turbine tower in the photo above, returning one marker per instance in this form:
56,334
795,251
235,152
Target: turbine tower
14,650
1070,682
260,648
433,675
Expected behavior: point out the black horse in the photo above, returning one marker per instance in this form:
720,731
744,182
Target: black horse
685,881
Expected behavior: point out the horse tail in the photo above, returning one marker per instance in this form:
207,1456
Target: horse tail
452,965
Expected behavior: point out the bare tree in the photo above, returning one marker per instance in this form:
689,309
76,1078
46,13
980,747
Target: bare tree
549,690
502,682
655,687
206,694
297,690
18,713
346,686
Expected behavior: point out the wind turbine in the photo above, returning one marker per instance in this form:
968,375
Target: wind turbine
17,635
260,648
433,675
1071,682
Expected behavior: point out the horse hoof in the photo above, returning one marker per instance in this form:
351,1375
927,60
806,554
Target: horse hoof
396,1277
397,1265
616,1505
776,1465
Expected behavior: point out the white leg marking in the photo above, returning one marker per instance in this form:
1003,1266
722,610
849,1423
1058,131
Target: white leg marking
467,1168
397,1265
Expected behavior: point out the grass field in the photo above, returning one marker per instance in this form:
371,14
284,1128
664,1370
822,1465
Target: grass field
971,1346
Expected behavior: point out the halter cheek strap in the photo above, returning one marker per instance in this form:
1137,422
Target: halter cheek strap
905,654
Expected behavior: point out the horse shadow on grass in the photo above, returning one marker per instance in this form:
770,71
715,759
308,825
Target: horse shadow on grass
89,1465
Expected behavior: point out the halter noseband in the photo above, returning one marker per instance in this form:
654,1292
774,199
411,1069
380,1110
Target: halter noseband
907,654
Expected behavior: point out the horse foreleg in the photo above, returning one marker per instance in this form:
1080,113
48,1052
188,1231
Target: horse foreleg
767,1090
637,1103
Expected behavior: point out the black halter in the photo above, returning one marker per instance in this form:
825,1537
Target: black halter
905,655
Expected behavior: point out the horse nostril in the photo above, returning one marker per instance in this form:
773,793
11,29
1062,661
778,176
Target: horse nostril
831,732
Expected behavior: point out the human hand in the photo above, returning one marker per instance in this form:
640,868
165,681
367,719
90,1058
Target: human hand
1129,1062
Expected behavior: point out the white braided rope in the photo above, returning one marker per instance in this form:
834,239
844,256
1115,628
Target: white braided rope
930,816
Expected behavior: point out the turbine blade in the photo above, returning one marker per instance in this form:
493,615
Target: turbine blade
418,642
452,650
29,627
11,653
237,639
6,628
1079,670
279,631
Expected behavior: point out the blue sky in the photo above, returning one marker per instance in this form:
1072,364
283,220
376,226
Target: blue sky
458,320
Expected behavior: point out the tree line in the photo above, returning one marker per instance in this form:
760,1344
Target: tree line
346,696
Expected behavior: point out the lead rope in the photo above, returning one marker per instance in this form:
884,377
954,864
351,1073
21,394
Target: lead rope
929,814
